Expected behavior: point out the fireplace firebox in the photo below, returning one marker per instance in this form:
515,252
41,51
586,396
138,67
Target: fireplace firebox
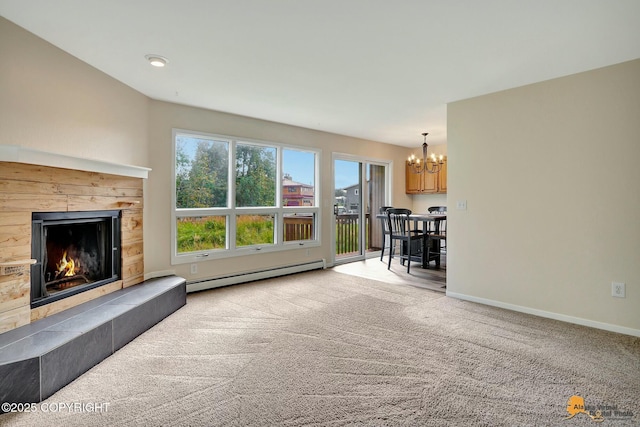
74,252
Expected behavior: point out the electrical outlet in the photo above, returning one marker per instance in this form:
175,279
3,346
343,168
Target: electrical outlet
617,290
194,268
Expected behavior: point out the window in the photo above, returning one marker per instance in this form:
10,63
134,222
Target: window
202,172
254,230
255,175
201,233
235,196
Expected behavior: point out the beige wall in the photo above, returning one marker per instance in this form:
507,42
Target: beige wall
51,101
550,173
422,202
165,116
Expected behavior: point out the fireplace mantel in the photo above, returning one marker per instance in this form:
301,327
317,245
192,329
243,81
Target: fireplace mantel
18,154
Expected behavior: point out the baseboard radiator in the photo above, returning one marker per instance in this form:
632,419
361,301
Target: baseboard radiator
235,279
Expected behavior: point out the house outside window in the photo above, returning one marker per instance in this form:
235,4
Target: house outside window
297,193
352,198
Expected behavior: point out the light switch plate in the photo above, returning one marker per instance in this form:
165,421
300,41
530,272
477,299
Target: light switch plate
461,205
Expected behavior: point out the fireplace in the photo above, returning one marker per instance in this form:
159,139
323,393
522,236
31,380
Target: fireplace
74,252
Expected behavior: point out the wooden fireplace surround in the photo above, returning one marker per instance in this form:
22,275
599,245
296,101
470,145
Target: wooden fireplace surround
27,188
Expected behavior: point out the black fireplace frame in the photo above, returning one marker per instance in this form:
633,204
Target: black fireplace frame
41,220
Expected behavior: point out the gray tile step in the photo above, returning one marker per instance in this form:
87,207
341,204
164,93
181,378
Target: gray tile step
38,359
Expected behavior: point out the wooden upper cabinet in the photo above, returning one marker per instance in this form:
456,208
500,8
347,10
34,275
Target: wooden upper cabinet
442,178
429,180
426,183
413,182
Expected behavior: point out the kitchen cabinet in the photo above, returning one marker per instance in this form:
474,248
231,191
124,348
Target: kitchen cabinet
426,183
442,178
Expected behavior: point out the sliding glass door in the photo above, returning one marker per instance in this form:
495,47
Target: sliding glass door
360,189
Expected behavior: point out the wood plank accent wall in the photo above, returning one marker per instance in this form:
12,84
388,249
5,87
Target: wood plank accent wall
26,188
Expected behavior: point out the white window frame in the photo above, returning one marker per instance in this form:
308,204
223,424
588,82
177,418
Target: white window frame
231,211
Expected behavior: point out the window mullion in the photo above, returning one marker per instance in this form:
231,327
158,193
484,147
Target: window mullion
231,202
278,224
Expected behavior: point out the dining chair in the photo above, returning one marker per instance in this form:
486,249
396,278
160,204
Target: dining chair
412,241
385,230
440,210
436,236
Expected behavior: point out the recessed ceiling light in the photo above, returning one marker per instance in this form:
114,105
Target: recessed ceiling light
156,60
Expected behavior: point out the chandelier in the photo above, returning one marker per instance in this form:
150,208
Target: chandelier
430,165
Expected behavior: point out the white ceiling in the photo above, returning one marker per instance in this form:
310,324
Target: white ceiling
375,69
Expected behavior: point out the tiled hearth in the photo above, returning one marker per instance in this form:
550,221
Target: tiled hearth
38,359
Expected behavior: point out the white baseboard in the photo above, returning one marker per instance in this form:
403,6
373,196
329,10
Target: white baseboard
211,283
548,314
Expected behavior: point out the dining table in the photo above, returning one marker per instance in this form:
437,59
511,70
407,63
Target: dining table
426,219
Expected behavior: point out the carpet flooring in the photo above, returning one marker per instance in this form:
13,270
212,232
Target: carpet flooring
325,348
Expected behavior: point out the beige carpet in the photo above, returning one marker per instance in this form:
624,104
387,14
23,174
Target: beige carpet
326,348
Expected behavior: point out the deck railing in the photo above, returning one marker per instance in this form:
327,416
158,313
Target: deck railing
347,229
298,228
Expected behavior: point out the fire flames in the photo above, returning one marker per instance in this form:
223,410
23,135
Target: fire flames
67,268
